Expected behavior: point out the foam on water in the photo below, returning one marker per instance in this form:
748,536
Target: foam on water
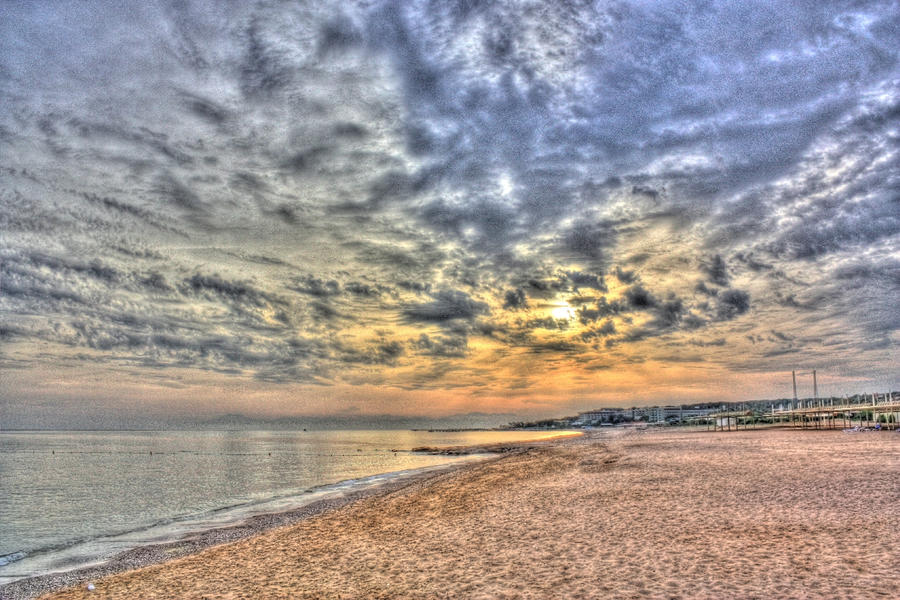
81,553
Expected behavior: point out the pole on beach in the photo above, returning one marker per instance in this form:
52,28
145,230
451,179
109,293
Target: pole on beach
815,388
874,417
794,376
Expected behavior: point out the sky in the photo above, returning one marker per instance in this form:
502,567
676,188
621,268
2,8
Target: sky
443,208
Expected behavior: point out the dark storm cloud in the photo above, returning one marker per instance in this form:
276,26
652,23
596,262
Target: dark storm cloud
693,321
554,347
446,305
704,289
515,299
40,295
143,139
239,292
639,298
414,286
286,214
807,304
587,280
206,109
442,346
708,343
625,276
752,262
392,187
324,312
670,313
364,289
264,69
546,288
602,308
832,228
607,329
549,323
156,282
180,195
118,208
139,253
117,205
263,259
350,130
885,273
94,268
780,352
218,352
782,336
407,262
304,160
732,303
380,352
337,34
644,190
717,271
314,286
492,222
590,241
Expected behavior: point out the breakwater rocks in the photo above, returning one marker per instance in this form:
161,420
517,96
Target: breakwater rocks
466,450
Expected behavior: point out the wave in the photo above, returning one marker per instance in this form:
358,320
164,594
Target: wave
12,557
99,548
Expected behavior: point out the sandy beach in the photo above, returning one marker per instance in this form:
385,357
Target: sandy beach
622,514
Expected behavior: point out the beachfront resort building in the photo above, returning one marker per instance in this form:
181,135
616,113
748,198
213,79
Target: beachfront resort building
651,414
601,415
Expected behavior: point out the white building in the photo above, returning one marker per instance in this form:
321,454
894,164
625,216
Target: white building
652,414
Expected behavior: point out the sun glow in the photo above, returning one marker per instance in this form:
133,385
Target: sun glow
563,311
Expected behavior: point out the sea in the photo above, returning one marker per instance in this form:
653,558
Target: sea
70,499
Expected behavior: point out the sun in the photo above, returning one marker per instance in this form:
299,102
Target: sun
562,311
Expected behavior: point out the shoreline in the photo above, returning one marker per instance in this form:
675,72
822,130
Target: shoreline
498,447
157,553
630,513
194,542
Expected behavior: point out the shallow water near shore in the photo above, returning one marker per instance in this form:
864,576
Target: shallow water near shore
72,499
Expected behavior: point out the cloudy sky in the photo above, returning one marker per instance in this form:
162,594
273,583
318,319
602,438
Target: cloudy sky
443,207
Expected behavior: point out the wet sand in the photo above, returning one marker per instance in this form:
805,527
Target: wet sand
656,514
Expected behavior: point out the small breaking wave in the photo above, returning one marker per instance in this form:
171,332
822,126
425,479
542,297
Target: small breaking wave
12,557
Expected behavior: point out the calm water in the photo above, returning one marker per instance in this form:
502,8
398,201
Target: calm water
73,498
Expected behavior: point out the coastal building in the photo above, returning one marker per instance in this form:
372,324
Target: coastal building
601,415
651,414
